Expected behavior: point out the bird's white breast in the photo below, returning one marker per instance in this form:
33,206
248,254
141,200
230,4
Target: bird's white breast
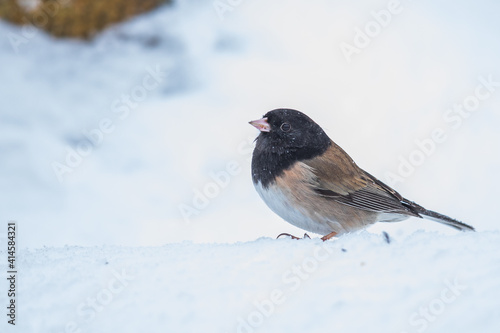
284,206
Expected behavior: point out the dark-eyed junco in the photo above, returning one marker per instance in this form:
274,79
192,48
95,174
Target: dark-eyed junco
305,178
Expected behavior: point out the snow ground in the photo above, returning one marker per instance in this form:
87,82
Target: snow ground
426,282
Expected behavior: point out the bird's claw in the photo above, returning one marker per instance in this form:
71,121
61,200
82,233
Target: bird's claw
306,236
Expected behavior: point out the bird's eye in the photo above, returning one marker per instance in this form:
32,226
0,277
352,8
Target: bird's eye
285,127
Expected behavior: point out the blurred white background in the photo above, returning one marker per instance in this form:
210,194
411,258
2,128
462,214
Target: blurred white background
220,71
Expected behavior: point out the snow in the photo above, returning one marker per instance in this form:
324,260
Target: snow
426,282
157,110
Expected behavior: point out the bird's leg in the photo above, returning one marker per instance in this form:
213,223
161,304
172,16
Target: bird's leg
292,236
330,235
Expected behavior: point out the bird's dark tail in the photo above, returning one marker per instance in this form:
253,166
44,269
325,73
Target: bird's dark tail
431,215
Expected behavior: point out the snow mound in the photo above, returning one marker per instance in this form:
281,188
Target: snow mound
358,283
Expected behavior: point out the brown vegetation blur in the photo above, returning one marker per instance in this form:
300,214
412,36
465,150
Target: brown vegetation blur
73,18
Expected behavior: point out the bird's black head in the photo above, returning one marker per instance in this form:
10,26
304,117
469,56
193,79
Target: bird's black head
287,136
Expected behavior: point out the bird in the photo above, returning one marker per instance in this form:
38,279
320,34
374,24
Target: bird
312,183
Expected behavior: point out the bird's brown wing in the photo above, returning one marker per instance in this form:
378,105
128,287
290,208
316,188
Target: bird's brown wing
346,183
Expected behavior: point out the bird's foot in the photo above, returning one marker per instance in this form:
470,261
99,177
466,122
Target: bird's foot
306,236
330,235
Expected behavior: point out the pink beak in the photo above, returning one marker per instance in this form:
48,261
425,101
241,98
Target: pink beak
261,124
